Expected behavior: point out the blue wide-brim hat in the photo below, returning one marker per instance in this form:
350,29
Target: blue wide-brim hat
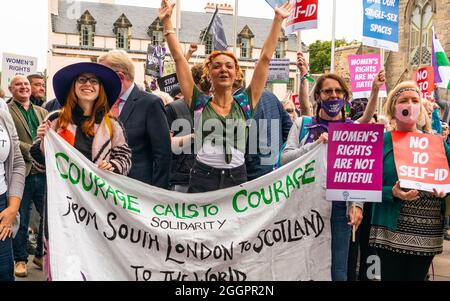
63,79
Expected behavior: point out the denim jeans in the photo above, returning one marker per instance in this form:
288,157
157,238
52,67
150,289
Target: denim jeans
6,253
205,178
340,241
34,191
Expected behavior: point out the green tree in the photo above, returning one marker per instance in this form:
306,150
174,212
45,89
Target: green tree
320,55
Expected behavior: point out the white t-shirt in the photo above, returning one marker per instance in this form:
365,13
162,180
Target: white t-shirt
5,146
3,105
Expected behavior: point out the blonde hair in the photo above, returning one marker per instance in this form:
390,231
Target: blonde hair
119,60
166,98
389,106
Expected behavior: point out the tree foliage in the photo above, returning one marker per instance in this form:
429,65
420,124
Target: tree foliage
320,55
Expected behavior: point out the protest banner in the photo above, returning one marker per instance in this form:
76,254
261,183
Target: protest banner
363,69
167,83
14,64
355,162
279,71
421,161
104,226
304,16
424,77
380,24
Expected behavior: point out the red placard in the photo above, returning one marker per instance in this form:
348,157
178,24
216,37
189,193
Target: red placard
421,161
304,15
424,78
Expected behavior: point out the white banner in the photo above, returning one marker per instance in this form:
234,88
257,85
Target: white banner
104,226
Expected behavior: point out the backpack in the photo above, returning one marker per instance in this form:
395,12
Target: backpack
240,98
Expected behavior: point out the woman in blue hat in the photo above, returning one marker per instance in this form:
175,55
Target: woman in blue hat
86,92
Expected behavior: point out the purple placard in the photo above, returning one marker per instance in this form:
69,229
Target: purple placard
355,162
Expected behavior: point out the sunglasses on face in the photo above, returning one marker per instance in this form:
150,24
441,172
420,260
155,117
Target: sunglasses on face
290,110
329,92
92,80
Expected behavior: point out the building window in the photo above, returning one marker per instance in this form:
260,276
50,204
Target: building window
245,48
280,52
87,36
157,38
245,42
122,29
86,28
421,36
269,86
290,85
155,32
208,44
122,38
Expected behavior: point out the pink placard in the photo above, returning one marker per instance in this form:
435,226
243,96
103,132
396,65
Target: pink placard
363,69
355,162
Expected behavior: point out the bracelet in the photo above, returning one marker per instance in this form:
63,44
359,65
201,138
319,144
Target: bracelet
167,32
302,79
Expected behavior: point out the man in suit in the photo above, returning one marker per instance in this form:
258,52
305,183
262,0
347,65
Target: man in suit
27,117
144,119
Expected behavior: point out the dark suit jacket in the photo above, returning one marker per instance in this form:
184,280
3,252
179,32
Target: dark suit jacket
144,119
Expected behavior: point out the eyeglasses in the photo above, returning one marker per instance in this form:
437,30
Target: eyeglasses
92,80
329,92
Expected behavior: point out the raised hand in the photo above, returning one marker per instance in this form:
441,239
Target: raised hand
193,48
166,9
380,79
284,11
301,63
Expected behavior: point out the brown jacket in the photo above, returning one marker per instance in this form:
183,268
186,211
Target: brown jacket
24,132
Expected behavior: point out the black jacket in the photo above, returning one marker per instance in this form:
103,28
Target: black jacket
144,119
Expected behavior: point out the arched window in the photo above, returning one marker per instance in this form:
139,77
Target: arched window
421,37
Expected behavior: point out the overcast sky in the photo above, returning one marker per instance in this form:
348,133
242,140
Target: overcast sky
24,22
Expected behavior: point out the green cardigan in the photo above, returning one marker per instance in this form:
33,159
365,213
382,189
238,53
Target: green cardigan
387,212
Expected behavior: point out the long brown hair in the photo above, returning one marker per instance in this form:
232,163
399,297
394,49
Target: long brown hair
65,117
